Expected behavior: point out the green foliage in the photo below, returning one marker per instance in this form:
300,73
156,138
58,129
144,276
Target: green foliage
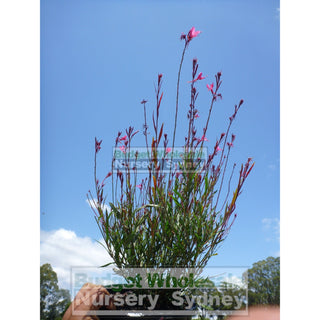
53,301
175,218
223,291
230,289
264,282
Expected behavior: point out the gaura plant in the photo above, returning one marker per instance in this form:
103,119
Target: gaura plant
175,217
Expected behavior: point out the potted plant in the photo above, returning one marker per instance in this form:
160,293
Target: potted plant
177,211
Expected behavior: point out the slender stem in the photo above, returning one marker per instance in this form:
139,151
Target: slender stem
209,115
228,187
112,168
206,127
177,98
95,174
214,97
146,128
191,116
224,171
157,114
224,143
177,105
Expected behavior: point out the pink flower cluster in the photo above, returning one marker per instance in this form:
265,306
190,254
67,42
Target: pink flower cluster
97,145
191,34
123,140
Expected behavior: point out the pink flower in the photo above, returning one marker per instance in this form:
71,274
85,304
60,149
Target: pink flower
108,175
196,116
210,87
123,149
200,77
203,138
245,170
168,150
124,138
97,145
230,144
139,186
192,33
218,149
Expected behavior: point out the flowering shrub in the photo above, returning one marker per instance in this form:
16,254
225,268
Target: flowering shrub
174,217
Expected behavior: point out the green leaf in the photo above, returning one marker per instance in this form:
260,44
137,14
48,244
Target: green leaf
102,244
106,265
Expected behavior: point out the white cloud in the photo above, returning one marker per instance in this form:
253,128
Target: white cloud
64,249
92,202
272,227
234,280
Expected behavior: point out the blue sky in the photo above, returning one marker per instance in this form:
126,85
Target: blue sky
99,59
